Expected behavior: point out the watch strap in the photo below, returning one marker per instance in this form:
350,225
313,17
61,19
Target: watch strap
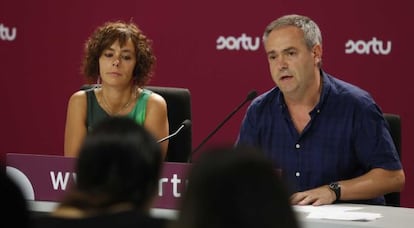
336,188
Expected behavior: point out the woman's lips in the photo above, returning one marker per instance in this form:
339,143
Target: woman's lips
114,74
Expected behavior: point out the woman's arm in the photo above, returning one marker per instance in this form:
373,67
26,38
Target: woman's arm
75,129
156,120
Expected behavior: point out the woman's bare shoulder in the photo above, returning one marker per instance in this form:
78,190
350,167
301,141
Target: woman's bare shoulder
156,100
78,97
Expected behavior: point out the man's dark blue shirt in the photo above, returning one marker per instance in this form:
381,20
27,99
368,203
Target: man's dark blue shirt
346,137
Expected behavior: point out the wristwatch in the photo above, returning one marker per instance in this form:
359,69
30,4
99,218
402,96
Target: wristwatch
336,188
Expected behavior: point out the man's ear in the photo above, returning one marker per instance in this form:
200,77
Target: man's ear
317,53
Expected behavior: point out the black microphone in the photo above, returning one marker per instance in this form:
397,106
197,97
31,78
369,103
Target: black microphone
184,125
252,94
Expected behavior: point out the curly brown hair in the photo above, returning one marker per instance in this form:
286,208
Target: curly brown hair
104,36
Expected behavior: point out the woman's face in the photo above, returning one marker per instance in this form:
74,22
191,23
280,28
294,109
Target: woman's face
116,63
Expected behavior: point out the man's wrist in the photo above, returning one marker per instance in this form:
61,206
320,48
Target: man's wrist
336,188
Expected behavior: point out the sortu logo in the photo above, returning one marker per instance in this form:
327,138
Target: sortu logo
242,42
366,47
7,34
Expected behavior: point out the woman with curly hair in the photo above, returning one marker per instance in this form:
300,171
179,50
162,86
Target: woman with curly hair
120,60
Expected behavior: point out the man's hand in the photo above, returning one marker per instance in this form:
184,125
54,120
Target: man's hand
317,196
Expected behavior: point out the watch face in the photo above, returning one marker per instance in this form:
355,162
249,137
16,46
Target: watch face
334,185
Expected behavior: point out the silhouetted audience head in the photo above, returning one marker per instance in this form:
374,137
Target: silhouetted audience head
15,211
119,162
235,187
118,168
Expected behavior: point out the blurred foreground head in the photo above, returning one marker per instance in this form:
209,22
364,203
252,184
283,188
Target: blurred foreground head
235,187
119,162
15,211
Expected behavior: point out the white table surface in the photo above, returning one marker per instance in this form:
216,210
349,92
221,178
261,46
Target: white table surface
392,217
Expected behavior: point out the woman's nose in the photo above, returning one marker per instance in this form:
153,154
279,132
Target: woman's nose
115,62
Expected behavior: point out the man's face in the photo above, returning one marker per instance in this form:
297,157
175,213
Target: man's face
292,65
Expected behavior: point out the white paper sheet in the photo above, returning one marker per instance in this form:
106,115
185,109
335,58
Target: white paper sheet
336,212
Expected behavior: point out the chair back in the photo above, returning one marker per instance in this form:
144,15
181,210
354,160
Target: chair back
179,109
394,123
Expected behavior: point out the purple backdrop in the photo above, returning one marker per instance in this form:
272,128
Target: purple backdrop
209,47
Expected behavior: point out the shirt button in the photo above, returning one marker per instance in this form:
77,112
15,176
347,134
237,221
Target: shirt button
297,145
297,174
318,111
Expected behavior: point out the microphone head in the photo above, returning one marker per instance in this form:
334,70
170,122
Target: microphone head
252,94
186,123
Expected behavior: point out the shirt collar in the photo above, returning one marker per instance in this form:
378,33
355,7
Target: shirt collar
326,87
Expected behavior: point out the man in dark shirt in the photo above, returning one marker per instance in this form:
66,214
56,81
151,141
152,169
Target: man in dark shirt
328,137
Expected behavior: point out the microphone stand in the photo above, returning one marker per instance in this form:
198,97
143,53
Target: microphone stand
249,97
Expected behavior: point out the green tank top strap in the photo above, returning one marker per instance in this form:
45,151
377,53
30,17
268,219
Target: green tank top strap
94,113
138,113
